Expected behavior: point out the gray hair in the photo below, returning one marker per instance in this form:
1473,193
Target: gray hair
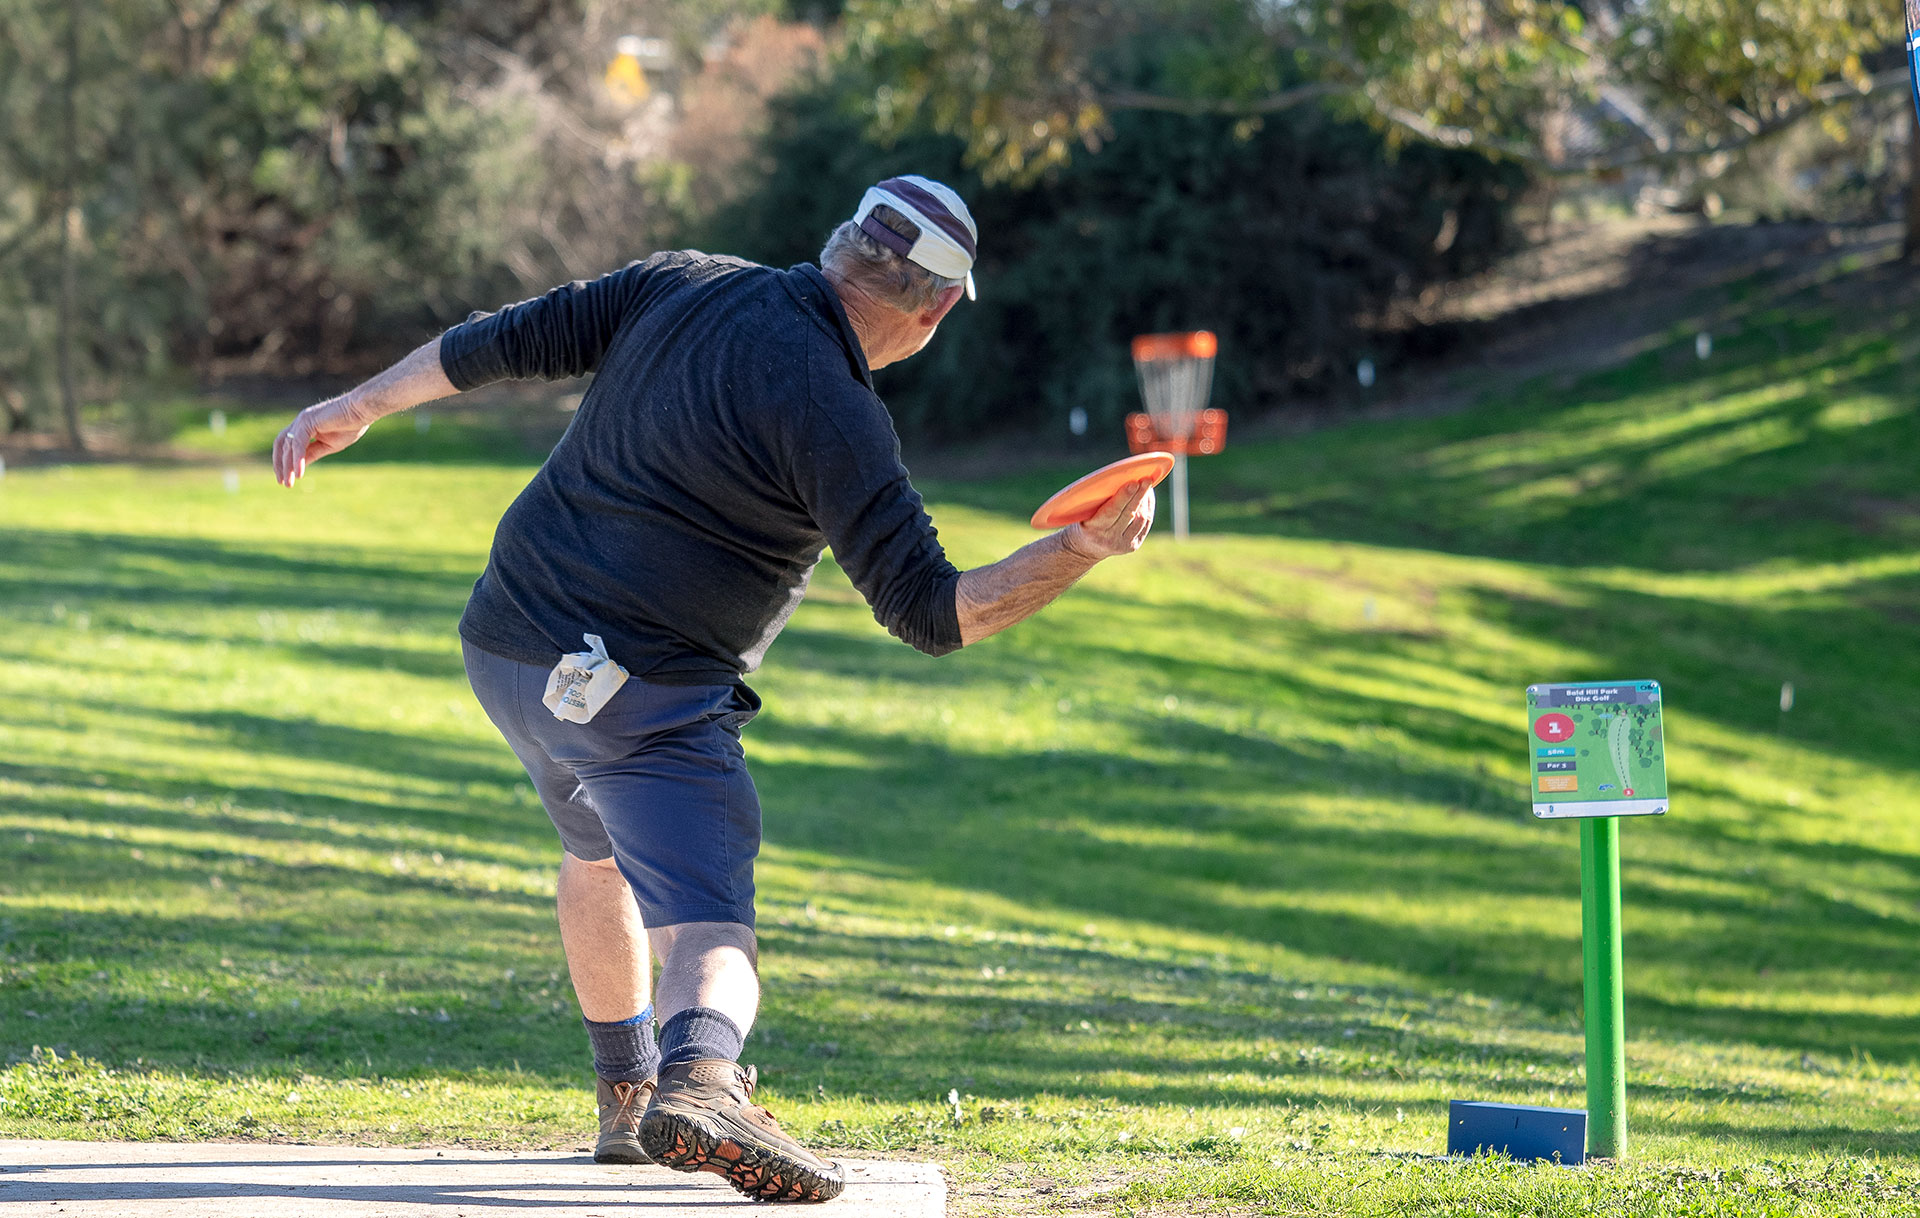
852,255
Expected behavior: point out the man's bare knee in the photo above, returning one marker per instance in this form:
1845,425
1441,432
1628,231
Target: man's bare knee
749,943
702,937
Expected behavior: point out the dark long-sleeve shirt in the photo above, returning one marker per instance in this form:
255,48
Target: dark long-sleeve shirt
731,432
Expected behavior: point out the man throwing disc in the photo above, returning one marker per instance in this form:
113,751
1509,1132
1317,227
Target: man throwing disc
731,432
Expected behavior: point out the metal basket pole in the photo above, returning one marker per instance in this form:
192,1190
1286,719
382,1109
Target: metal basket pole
1180,496
1192,397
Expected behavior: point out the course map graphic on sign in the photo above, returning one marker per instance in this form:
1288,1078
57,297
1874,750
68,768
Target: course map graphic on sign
1596,749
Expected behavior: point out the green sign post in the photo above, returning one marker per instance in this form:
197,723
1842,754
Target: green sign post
1605,996
1598,752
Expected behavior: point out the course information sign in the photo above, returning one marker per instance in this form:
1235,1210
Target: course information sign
1596,749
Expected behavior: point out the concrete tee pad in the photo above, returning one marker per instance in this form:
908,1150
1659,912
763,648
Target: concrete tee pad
262,1180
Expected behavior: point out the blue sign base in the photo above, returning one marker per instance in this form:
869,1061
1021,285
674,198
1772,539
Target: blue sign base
1520,1131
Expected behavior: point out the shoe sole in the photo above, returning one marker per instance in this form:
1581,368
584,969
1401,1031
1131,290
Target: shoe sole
682,1143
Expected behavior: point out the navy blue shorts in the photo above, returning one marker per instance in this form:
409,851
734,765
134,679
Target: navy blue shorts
658,782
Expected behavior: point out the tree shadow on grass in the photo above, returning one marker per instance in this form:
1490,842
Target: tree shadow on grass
1079,1022
517,836
1851,650
368,779
1243,875
1852,667
1806,1139
75,568
93,861
300,965
1281,692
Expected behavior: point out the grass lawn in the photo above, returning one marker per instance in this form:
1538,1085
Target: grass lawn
1204,890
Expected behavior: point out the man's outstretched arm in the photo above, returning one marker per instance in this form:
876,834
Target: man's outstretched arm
992,598
325,429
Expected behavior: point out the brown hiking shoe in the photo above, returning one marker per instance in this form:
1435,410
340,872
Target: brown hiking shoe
621,1106
701,1120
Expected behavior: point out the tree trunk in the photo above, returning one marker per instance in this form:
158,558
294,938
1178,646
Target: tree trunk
14,404
69,233
69,393
1913,184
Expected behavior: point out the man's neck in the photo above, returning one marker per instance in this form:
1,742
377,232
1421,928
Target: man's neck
875,325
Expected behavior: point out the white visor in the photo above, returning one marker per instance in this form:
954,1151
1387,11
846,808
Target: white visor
938,213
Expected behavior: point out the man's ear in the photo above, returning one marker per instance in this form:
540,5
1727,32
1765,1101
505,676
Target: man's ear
930,317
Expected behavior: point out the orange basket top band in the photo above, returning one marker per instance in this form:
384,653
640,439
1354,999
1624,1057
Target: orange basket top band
1198,344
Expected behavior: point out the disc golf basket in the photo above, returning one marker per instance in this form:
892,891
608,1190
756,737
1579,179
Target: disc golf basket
1176,374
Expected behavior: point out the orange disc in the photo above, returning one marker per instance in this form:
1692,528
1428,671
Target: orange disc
1079,500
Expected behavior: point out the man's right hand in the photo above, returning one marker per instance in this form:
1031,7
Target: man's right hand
320,431
1119,527
992,598
316,432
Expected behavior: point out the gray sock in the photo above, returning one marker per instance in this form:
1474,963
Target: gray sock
700,1034
624,1052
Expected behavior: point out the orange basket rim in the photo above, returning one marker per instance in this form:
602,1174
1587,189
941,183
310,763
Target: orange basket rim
1186,344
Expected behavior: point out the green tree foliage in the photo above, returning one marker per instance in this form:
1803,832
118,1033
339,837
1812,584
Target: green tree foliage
286,186
340,183
250,182
52,160
611,171
1567,87
1281,236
